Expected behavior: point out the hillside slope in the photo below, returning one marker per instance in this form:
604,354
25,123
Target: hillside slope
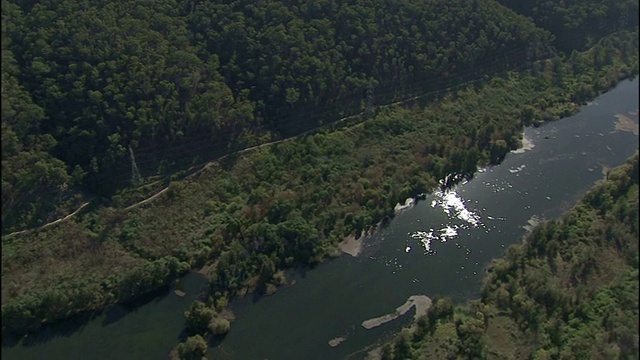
180,83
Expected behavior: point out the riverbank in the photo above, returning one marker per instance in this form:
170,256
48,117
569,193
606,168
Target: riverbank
289,204
503,201
352,246
546,272
333,299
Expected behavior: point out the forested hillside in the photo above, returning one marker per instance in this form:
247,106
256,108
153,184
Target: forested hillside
569,292
179,84
576,24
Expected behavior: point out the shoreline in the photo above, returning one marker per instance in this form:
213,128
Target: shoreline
350,245
422,303
354,246
526,144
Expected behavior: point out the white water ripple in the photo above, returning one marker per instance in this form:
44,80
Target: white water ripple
453,205
517,169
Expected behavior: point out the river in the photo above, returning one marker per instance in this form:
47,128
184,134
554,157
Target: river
465,228
149,331
439,246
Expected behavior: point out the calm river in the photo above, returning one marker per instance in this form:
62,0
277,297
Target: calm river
439,246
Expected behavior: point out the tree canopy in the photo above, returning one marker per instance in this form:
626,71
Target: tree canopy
184,82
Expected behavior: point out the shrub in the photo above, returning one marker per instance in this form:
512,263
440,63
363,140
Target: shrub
219,326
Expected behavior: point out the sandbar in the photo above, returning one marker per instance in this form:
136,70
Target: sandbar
336,341
351,246
421,303
527,145
625,123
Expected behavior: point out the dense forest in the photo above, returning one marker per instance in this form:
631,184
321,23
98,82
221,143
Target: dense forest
88,85
577,24
570,291
180,83
183,83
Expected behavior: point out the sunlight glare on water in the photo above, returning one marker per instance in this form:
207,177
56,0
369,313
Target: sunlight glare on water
450,202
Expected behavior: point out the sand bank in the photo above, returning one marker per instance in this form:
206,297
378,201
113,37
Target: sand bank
351,246
421,303
336,341
527,145
625,123
407,204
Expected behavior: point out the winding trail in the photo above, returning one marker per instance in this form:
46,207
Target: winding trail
149,199
310,131
240,152
163,190
66,217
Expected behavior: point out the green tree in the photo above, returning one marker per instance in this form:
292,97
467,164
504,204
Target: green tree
198,317
499,150
292,96
219,326
194,348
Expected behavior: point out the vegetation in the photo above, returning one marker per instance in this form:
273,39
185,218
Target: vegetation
577,24
198,317
194,348
181,83
569,292
219,326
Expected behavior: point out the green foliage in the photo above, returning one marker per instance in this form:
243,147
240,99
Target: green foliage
578,23
198,317
149,277
219,326
498,151
194,348
177,82
558,301
403,347
34,183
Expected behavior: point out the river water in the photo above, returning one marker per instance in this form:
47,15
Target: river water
149,331
439,246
